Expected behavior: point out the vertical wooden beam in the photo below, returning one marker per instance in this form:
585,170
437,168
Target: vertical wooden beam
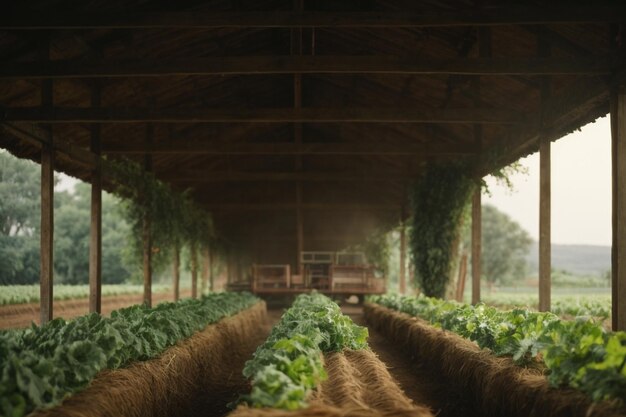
194,271
545,196
47,203
476,245
296,49
147,233
176,274
402,271
618,253
95,235
205,271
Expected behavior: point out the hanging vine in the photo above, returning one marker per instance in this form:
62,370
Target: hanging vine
438,199
175,220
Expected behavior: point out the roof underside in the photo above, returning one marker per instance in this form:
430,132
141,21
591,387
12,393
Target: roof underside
267,109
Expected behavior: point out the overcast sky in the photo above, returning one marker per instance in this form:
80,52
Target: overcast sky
581,189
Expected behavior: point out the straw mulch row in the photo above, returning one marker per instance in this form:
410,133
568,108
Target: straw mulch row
490,385
195,377
358,384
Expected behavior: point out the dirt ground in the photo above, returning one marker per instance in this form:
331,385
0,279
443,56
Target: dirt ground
22,315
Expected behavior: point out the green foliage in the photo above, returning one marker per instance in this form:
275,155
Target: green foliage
505,245
288,366
438,200
174,219
577,353
22,294
40,366
377,250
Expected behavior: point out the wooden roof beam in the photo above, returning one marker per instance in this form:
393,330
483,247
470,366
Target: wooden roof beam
252,206
506,15
290,148
231,176
259,115
304,64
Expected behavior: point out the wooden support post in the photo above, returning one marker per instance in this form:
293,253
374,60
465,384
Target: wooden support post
545,196
47,203
194,271
147,234
476,245
205,271
402,271
176,283
47,233
211,277
95,236
296,49
618,254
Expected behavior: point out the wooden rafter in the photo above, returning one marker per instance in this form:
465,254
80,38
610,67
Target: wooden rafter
303,64
230,176
510,15
264,115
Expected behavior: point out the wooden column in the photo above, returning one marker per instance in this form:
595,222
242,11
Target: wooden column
205,271
618,253
211,277
176,267
194,271
95,236
402,271
545,196
296,49
47,204
476,245
147,233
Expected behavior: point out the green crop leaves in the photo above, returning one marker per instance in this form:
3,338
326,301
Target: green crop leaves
288,366
578,353
42,365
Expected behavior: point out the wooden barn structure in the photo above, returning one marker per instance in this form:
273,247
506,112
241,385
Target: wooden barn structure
299,124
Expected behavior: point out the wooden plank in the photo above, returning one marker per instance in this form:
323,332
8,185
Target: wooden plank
261,115
304,64
176,274
147,234
545,194
95,234
194,271
476,245
505,15
47,232
402,271
618,119
252,206
290,148
242,176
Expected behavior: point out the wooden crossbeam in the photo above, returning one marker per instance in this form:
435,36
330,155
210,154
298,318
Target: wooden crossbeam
252,206
231,176
507,15
259,115
291,148
302,64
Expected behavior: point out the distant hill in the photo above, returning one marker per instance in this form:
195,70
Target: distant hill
578,259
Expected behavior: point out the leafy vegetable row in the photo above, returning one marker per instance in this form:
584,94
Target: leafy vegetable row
577,353
288,366
21,294
42,365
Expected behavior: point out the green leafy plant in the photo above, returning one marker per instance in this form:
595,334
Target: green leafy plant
438,200
577,353
288,366
40,366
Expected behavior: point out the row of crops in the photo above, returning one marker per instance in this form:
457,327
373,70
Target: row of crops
288,366
40,366
22,294
574,353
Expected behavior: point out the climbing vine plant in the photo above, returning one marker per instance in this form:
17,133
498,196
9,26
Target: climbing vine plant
175,221
438,200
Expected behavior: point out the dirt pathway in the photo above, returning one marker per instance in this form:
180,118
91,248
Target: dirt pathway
21,315
417,382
